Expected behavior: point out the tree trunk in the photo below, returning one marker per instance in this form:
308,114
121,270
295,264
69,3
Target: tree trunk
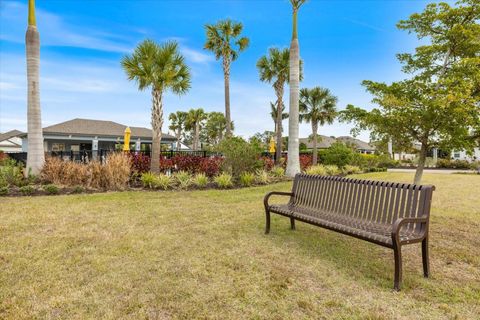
157,123
179,135
197,135
278,124
226,74
35,149
421,164
315,151
293,164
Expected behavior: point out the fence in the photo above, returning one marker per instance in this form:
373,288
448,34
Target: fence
101,155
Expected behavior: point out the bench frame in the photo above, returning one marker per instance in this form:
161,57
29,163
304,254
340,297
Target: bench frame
395,234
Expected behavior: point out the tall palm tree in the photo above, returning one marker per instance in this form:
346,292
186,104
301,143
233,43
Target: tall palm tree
293,163
223,39
275,68
319,107
35,149
274,115
161,68
177,124
195,119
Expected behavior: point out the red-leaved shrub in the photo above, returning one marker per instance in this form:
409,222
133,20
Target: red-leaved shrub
211,166
268,163
140,162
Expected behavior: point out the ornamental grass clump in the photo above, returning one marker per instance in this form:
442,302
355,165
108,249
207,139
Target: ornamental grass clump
156,181
348,169
200,180
332,170
277,172
247,179
224,181
182,179
317,170
116,171
262,177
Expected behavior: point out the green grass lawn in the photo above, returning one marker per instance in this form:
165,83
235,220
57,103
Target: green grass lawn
203,254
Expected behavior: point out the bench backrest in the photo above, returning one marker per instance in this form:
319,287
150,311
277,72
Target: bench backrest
375,201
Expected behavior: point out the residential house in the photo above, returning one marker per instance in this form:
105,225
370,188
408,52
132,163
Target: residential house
324,142
95,135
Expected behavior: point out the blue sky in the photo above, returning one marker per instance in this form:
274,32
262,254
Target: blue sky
82,42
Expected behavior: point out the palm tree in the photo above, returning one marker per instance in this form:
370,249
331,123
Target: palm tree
159,67
274,115
223,39
35,149
216,127
293,163
177,124
195,118
317,106
275,68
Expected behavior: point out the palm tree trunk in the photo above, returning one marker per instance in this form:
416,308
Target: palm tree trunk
315,151
35,149
179,135
278,126
157,123
421,164
197,135
226,74
293,164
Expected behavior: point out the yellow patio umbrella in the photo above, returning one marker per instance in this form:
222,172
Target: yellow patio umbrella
272,145
126,139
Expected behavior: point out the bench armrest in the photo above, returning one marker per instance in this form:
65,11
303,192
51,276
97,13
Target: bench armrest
278,193
397,225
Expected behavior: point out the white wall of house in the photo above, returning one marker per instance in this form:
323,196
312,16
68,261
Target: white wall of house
462,155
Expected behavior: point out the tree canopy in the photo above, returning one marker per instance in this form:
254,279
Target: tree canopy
439,104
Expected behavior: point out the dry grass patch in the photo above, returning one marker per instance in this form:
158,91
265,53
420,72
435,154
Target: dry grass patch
203,254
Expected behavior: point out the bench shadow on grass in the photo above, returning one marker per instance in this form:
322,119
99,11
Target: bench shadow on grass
358,260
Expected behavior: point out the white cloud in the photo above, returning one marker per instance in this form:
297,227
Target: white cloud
195,55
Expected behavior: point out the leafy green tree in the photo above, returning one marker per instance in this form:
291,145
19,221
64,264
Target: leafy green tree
36,152
160,68
262,138
293,162
439,105
319,107
274,68
194,123
225,41
177,125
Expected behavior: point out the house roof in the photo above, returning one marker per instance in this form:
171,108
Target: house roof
356,142
99,128
9,134
324,142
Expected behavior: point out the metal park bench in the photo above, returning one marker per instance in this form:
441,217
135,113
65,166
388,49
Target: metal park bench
388,214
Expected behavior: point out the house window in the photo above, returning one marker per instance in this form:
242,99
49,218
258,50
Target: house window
58,146
456,155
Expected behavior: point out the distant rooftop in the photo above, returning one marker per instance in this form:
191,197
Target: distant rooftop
324,142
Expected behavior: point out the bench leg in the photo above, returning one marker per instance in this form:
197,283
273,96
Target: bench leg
397,253
425,260
267,221
292,223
